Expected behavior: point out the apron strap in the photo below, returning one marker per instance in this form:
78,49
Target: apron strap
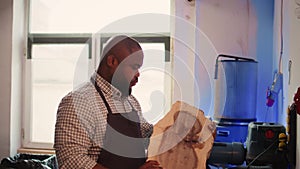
102,95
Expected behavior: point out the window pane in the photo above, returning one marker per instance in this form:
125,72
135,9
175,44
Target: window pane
89,16
54,68
150,90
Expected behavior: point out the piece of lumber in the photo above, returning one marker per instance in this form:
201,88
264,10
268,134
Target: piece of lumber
182,139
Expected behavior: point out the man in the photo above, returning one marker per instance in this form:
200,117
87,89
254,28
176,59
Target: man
100,125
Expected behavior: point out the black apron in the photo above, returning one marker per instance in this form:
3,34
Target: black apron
123,145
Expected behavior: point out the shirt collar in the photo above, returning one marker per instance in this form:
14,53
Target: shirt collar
112,91
106,87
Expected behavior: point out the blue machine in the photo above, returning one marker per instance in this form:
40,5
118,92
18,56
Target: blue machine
241,142
235,97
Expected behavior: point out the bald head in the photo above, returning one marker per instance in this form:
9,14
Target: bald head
122,57
120,46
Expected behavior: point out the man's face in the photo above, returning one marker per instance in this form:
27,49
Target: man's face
127,72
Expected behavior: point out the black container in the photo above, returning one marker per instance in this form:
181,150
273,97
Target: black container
263,138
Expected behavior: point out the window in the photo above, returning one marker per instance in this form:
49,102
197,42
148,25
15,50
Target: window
51,65
153,89
64,50
90,16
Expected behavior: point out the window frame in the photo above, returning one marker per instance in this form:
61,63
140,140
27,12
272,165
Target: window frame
58,39
95,44
33,39
144,38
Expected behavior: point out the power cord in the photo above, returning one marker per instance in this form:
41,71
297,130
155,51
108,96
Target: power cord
262,153
281,38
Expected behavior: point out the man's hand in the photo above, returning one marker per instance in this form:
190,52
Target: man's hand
151,164
98,166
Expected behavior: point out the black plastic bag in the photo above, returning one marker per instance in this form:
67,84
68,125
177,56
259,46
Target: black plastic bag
29,161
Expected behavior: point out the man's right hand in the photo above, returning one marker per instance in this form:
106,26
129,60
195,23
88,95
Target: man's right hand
151,164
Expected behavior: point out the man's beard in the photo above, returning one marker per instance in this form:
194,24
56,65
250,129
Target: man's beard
121,83
129,91
125,89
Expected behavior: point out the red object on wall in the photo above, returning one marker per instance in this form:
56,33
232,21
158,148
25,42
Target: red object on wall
297,100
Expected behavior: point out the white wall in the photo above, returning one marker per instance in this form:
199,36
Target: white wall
292,33
239,28
231,28
183,44
230,25
6,15
18,57
11,47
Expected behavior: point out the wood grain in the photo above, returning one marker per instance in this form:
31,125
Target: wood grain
182,139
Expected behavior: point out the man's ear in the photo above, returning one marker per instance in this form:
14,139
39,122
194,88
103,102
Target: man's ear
112,61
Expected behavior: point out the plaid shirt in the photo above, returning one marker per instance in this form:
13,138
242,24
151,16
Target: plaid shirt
81,123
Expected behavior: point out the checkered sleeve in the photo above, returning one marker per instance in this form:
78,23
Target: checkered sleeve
73,130
146,128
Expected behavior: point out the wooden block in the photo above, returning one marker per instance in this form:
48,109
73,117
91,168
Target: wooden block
182,139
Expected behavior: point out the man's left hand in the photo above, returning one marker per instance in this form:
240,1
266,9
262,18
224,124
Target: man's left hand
151,164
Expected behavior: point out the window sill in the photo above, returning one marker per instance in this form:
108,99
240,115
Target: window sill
36,151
